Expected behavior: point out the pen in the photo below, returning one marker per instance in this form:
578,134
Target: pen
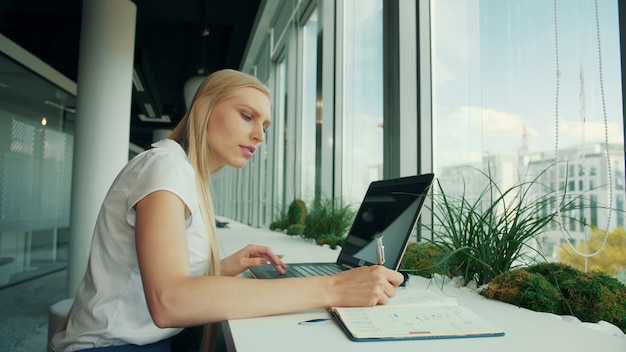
313,321
380,249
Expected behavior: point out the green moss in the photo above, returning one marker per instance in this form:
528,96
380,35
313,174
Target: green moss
332,240
295,230
296,212
597,296
556,273
423,259
524,289
561,289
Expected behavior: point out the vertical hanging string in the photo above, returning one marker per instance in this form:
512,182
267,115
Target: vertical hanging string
568,237
606,128
556,106
583,161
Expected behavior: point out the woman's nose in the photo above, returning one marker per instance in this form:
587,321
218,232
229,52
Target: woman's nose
258,134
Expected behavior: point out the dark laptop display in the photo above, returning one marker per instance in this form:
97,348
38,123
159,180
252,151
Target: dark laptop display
390,208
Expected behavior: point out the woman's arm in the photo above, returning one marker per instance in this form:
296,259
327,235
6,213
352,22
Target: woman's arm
177,299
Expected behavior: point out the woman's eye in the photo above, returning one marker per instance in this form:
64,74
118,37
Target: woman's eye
246,116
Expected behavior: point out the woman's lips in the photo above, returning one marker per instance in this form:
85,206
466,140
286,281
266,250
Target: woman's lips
247,150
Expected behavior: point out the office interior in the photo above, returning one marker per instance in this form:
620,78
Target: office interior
360,91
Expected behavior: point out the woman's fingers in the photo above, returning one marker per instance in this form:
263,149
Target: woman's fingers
275,259
368,286
254,255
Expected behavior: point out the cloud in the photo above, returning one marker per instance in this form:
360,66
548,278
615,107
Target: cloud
486,123
442,73
451,33
465,134
574,133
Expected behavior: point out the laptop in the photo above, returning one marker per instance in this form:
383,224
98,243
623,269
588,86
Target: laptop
388,211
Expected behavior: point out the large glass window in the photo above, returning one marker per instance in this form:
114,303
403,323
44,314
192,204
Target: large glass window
362,118
520,86
281,139
309,107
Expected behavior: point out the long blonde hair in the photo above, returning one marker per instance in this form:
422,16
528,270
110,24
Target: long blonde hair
191,134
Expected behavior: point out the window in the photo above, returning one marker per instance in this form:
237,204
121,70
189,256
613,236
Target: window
280,119
619,183
496,95
362,137
310,130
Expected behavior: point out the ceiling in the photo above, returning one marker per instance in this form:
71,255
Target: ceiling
175,40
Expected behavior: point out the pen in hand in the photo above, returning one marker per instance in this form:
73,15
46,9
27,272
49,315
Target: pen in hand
380,249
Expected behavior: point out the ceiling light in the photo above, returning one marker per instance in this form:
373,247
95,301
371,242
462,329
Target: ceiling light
59,106
149,109
163,118
137,81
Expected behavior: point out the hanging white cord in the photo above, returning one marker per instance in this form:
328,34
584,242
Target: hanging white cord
606,134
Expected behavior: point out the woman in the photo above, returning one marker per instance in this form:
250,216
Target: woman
154,268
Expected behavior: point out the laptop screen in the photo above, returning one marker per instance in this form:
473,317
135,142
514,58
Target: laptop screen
390,208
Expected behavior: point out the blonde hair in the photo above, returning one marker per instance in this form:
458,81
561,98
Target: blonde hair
191,134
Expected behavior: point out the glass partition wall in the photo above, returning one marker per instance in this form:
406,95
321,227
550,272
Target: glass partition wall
36,148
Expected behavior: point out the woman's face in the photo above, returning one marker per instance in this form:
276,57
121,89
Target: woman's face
237,127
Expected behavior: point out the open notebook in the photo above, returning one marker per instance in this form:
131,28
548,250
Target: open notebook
389,209
413,314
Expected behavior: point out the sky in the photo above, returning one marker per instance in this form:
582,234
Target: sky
495,65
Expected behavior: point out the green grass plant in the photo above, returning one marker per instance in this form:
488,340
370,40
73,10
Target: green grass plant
328,220
496,230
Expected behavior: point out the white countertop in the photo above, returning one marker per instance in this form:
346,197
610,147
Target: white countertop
525,330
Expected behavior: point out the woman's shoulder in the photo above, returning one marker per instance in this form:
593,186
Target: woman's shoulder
163,167
163,154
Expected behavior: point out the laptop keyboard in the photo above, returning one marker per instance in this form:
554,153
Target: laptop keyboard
315,270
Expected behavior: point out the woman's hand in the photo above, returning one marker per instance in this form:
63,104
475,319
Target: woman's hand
365,286
249,256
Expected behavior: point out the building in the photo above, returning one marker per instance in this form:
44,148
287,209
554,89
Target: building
582,176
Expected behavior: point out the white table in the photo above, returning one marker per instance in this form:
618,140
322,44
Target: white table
525,330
